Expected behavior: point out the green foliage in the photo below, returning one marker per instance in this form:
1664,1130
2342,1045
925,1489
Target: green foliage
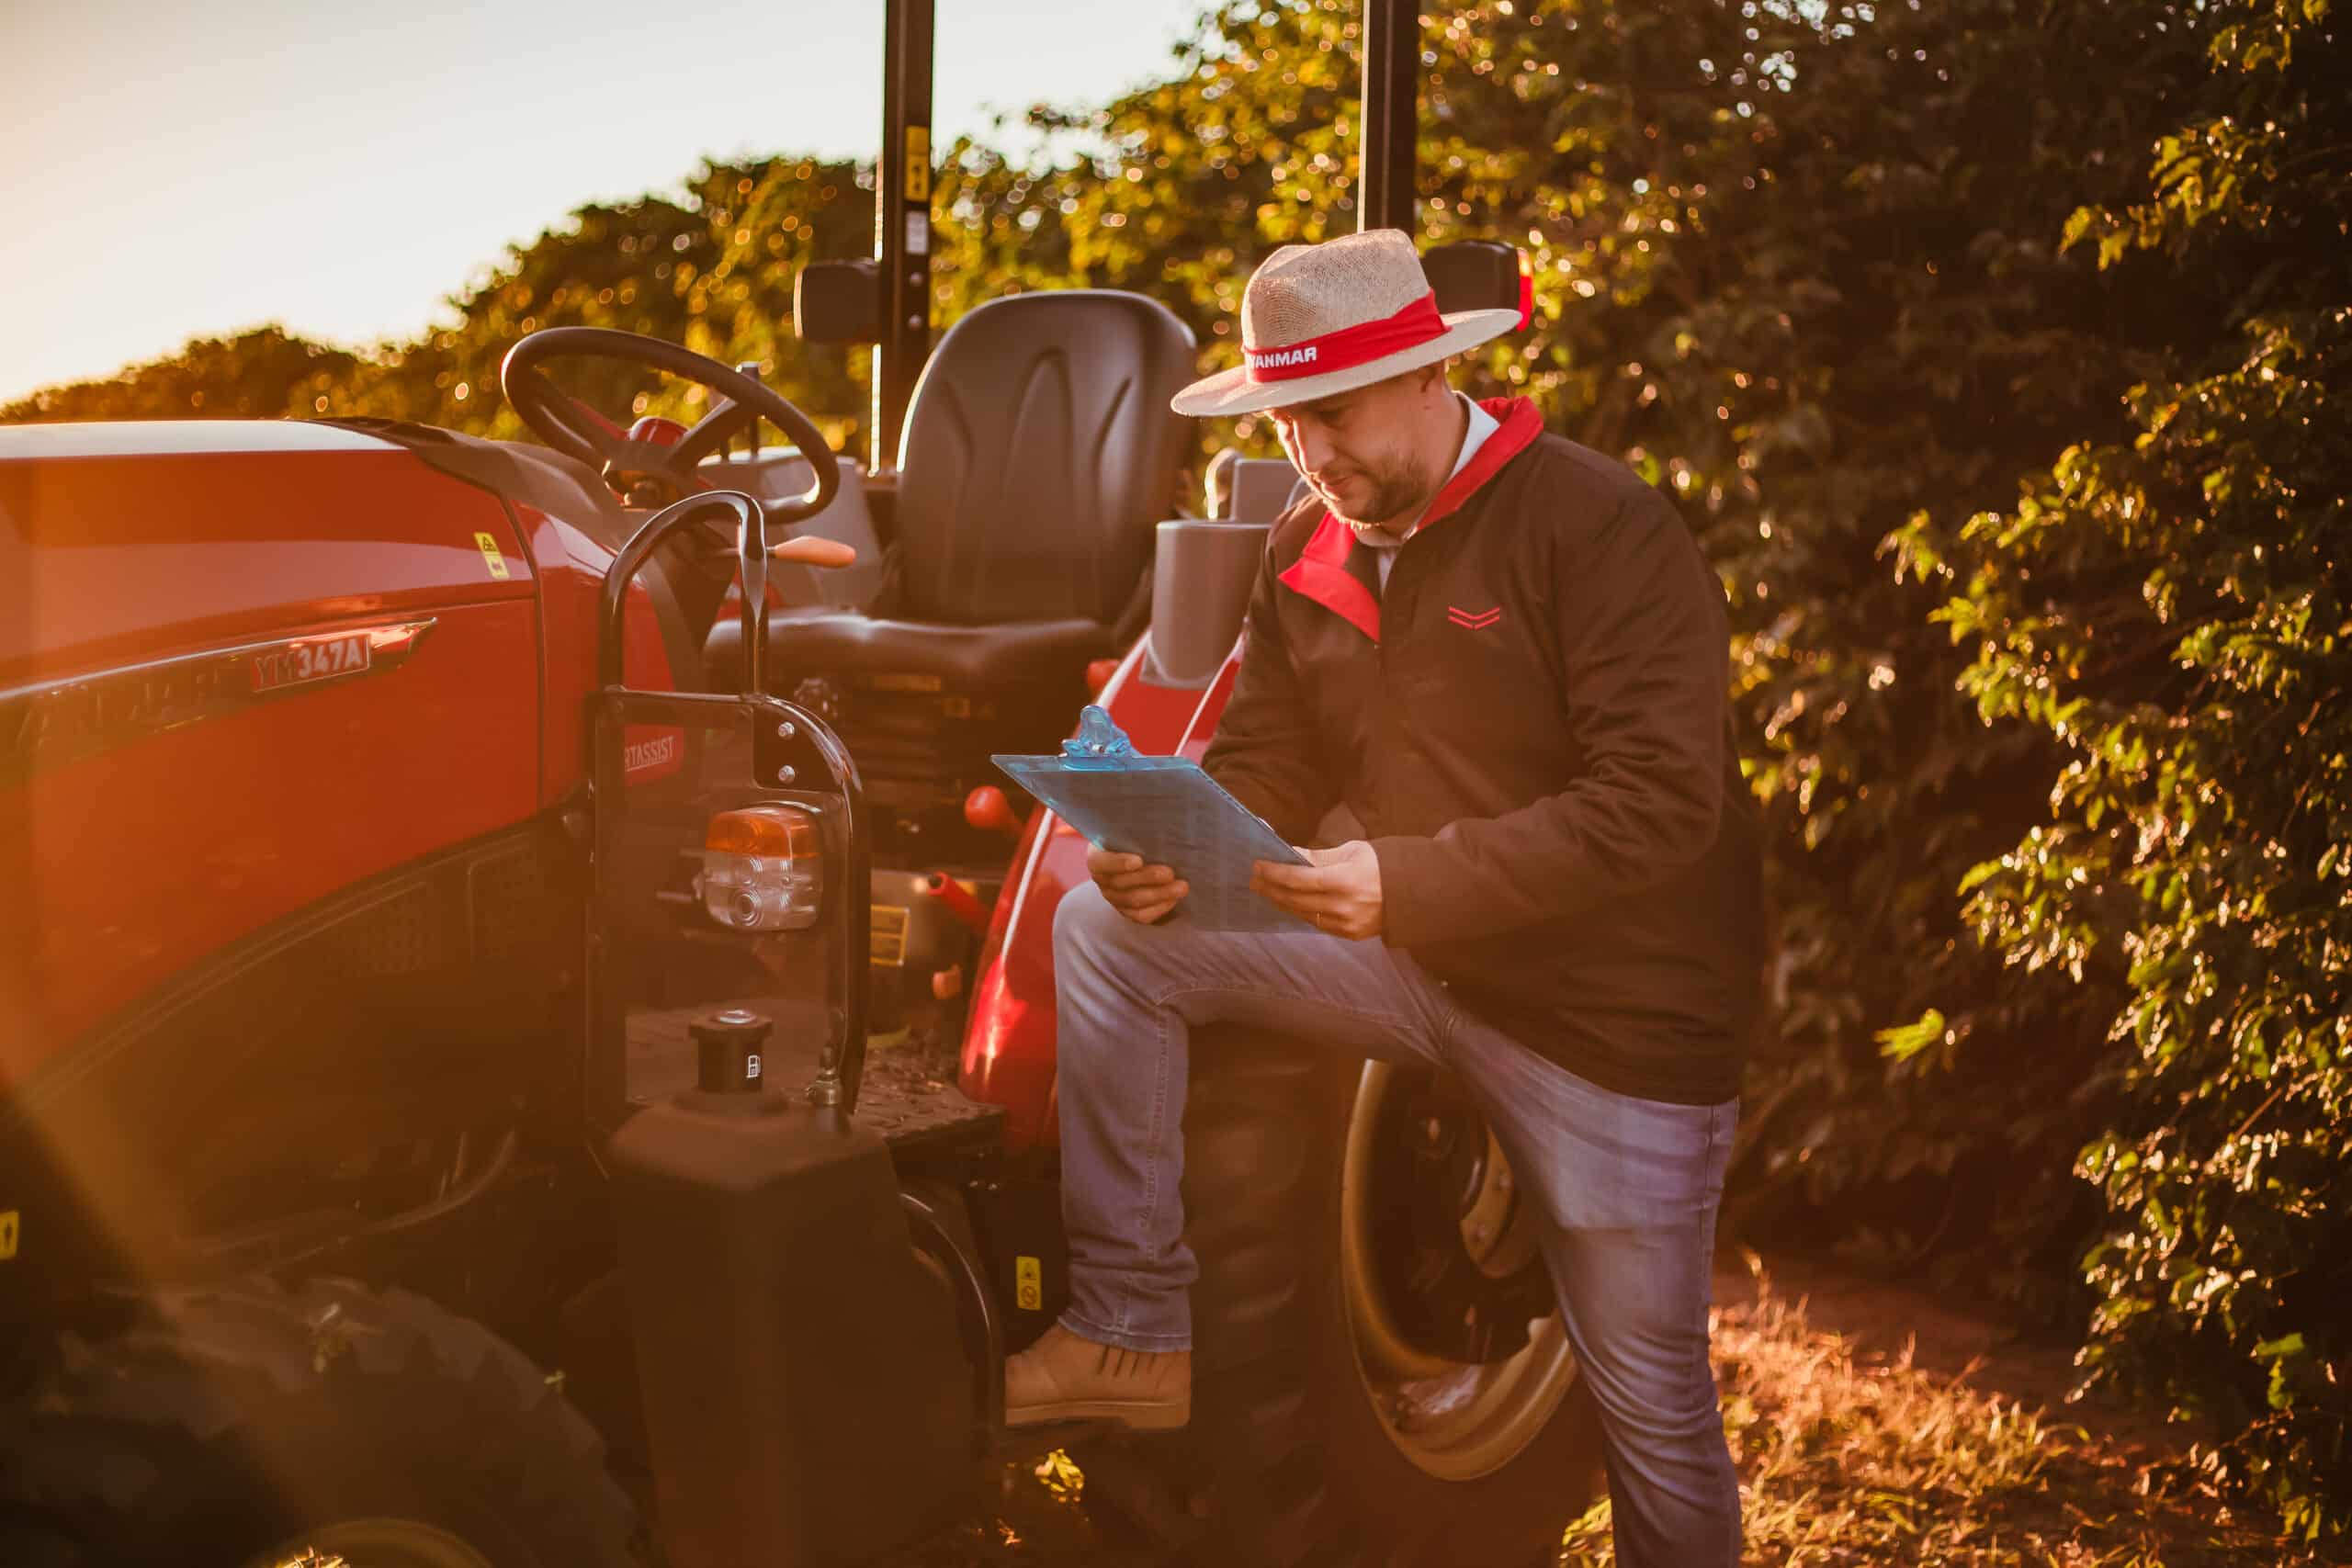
256,375
1853,315
2174,608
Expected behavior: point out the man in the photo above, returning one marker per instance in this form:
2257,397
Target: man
1502,654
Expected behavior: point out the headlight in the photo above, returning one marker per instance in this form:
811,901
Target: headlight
761,869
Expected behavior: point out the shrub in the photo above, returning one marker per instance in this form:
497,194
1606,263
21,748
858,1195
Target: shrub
2174,609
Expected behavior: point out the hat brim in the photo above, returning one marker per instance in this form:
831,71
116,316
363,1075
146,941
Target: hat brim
1232,392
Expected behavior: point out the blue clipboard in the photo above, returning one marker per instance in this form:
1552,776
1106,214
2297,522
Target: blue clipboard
1167,810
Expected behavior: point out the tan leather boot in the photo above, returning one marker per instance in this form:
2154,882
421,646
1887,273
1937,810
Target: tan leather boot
1064,1377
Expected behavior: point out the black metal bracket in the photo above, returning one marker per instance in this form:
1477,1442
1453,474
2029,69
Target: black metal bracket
1392,125
792,750
902,220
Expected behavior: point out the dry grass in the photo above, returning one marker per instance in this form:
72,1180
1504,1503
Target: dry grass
1853,1457
1874,1425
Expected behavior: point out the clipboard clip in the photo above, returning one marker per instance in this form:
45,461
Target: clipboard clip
1099,743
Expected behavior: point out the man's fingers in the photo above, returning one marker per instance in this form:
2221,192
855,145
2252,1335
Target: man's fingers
1315,910
1304,878
1143,911
1128,900
1328,916
1124,877
1345,908
1289,890
1306,906
1339,893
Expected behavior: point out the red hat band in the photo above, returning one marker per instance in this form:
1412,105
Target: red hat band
1347,348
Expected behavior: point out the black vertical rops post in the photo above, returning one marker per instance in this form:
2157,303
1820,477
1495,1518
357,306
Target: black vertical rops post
902,218
1392,124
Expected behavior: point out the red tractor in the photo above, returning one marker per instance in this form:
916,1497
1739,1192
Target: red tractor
449,888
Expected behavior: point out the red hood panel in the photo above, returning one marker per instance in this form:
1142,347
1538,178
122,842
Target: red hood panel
108,559
233,684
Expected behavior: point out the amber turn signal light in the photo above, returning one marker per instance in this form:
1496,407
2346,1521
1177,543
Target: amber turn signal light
762,868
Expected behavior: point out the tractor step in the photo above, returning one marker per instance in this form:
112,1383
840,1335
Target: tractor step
910,1106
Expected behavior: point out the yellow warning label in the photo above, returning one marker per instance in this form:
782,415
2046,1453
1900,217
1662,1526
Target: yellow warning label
918,162
886,935
9,1225
491,557
1028,1284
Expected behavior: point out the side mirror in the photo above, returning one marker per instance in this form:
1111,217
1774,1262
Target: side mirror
838,302
1480,274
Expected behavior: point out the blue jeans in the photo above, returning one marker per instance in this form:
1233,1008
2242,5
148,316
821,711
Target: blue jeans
1627,1187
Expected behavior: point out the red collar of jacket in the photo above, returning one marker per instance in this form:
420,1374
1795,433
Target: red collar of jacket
1321,573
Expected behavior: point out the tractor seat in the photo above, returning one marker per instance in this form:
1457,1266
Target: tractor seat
1010,653
1039,454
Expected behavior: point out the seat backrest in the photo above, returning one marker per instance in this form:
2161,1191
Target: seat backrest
1039,452
1263,488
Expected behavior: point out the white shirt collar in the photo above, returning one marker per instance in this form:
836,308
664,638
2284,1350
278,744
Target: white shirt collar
1482,424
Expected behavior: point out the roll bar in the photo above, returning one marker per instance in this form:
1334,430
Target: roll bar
1388,142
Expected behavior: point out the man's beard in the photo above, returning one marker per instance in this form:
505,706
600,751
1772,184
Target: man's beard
1397,494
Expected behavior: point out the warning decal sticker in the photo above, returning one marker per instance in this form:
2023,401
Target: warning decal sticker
1028,1284
491,557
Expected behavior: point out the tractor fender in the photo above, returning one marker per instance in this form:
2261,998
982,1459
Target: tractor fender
1008,1053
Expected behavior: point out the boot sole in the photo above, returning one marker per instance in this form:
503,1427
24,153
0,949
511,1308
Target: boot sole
1134,1415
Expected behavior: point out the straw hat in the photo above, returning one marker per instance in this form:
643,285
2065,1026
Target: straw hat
1322,319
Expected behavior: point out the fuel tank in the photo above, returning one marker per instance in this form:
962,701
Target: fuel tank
806,1400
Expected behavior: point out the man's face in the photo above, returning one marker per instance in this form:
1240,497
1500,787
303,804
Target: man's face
1371,455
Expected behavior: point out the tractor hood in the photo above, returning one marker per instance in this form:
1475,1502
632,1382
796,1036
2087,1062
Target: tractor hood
140,540
245,666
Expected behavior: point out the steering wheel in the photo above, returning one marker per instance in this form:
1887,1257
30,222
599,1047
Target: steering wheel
572,427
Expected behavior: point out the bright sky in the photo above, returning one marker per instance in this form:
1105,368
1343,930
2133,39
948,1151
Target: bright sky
341,165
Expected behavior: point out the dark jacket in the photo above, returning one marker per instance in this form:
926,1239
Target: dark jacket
1533,725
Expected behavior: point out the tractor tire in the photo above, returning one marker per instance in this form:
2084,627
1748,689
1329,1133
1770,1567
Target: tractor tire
1288,1462
256,1425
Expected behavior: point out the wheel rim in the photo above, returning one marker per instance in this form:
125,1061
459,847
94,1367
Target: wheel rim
373,1543
1454,1413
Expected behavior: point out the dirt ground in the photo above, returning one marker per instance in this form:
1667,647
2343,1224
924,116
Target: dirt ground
1887,1323
1874,1424
1877,1423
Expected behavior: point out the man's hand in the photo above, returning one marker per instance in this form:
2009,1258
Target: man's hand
1339,892
1142,893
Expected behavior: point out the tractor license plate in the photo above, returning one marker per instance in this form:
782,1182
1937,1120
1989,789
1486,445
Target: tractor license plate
885,939
305,660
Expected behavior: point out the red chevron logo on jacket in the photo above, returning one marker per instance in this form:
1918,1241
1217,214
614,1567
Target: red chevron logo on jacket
1476,620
